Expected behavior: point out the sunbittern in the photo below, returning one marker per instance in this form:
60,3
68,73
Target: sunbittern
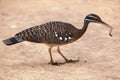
55,33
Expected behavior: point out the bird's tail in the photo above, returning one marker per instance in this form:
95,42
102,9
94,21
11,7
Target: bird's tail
11,41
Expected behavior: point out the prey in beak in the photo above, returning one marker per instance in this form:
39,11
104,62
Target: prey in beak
108,26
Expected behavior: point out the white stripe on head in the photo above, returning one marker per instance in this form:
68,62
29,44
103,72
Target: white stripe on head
89,20
93,16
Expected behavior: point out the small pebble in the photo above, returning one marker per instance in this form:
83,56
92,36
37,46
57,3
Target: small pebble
85,61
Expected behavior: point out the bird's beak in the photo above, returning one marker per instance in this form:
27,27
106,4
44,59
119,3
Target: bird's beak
108,26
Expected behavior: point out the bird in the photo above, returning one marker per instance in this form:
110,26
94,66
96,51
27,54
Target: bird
55,33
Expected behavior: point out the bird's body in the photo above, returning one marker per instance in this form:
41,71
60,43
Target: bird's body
54,33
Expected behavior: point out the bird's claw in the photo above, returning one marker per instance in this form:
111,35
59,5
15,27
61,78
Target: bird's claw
53,63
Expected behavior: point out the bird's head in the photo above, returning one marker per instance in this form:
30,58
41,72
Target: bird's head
93,18
96,19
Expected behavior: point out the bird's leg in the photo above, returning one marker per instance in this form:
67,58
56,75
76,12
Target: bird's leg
51,62
58,49
68,61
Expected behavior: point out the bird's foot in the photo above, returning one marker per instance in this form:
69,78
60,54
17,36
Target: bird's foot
72,61
53,63
56,64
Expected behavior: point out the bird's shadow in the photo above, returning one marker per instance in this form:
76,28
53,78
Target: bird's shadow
62,63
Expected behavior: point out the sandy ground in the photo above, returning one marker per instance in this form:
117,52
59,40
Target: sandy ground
29,61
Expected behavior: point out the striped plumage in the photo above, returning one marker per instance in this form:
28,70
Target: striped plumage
54,33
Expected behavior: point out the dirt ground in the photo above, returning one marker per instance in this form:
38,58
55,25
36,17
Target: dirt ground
99,54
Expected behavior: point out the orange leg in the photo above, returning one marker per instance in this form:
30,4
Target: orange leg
55,63
67,61
58,49
51,59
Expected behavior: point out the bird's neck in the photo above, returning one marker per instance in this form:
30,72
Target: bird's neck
85,26
83,30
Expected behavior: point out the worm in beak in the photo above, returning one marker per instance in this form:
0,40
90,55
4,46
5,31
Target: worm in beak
108,26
